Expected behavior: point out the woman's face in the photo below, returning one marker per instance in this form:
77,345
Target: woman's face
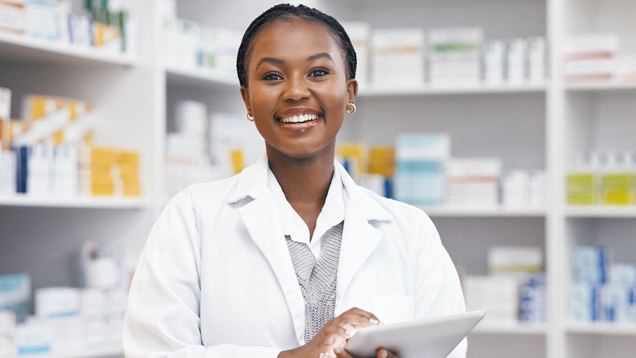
297,88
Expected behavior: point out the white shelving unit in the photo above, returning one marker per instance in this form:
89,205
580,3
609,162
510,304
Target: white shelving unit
529,127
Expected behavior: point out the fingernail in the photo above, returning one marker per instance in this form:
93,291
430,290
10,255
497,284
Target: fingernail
337,350
353,332
374,321
322,355
385,354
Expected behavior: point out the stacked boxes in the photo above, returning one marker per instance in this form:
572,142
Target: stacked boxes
97,25
454,56
106,171
590,56
498,295
514,290
398,57
473,181
603,177
189,45
602,290
420,160
44,156
372,168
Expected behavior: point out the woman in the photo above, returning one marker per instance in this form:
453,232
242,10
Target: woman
289,257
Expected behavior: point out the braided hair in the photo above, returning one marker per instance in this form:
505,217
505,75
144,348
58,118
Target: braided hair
289,12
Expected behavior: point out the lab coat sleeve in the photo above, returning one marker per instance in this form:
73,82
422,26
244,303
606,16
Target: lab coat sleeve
162,316
438,290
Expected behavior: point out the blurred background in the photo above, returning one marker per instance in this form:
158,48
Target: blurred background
511,123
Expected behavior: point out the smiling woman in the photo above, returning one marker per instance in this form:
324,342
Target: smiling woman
290,257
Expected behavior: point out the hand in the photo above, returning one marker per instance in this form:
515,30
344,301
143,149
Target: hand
382,353
334,335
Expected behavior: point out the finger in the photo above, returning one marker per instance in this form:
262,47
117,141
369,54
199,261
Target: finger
357,318
341,353
383,353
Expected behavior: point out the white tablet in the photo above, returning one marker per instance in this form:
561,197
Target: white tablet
423,338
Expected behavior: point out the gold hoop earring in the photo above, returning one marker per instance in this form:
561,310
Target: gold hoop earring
249,118
353,108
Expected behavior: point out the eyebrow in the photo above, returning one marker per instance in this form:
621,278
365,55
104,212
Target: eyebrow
270,60
280,62
320,55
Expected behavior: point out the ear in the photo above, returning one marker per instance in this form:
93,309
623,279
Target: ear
245,93
352,90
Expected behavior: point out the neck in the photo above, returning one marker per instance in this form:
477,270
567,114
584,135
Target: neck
305,183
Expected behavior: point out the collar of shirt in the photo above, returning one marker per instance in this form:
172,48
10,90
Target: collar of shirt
332,213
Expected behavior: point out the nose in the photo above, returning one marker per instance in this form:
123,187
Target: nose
296,88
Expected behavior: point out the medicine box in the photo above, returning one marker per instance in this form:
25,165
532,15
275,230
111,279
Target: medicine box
515,260
420,174
592,264
473,181
13,17
618,188
584,302
398,57
582,188
590,57
454,56
498,295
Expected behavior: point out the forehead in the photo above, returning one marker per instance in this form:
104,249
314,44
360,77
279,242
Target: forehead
285,37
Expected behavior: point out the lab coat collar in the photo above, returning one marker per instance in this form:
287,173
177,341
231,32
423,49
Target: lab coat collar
253,183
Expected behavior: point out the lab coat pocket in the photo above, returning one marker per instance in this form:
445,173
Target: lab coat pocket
392,308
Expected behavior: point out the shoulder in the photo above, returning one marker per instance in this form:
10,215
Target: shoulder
402,215
208,194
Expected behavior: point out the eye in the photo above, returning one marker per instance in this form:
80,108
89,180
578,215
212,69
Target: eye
272,76
318,72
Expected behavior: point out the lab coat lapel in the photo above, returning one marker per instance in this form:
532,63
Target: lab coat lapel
260,220
359,238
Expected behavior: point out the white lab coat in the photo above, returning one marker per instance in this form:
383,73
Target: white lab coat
216,279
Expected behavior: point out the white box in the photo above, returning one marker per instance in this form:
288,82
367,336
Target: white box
515,259
590,56
498,295
12,16
516,50
398,57
493,71
536,66
55,302
626,68
454,56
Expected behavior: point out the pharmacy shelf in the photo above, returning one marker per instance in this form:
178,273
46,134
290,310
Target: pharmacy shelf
199,77
600,86
377,91
606,329
79,202
597,211
509,328
470,211
30,50
106,352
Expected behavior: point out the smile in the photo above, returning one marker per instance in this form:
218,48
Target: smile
299,118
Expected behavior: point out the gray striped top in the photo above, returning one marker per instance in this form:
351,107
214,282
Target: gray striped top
317,279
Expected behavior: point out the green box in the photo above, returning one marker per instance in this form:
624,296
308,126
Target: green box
582,188
619,189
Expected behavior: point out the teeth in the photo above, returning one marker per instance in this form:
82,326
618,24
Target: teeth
300,118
